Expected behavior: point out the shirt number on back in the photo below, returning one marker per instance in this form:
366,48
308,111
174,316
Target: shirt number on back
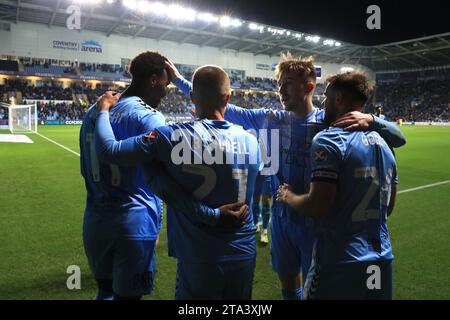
209,179
241,176
95,168
362,212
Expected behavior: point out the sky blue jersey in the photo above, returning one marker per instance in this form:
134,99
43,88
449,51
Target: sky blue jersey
290,157
215,161
119,202
363,167
295,134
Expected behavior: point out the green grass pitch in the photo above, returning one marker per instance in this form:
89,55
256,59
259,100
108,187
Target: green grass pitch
41,211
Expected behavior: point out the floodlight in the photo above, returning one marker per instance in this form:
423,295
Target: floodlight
207,17
130,4
158,8
143,6
177,12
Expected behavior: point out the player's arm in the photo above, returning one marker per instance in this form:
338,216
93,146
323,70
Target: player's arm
247,118
356,120
393,192
128,152
316,203
227,216
326,156
389,132
392,199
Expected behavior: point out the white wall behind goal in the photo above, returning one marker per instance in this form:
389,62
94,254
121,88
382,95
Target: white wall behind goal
37,40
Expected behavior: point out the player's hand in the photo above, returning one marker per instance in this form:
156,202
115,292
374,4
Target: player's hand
354,121
107,100
232,215
284,193
173,71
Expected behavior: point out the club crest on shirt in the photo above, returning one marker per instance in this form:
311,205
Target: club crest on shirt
320,155
150,137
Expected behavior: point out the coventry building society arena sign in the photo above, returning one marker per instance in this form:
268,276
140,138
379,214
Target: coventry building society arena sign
86,46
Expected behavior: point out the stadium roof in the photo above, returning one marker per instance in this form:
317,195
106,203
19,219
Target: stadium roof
174,23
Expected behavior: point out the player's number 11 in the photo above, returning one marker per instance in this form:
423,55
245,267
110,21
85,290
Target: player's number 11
95,167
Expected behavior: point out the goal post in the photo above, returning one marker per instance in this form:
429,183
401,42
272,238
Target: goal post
22,118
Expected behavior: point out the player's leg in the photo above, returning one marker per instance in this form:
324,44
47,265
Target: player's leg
340,282
291,286
325,283
133,268
239,279
306,238
387,280
99,253
266,199
199,281
105,291
286,259
256,208
383,289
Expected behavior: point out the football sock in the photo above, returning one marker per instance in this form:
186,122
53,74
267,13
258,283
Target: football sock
255,210
265,216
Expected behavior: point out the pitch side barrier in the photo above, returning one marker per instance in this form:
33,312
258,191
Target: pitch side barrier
58,122
426,123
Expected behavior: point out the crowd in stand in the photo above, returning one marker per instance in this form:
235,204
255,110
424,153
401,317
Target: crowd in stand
101,67
47,63
262,83
415,101
60,111
418,101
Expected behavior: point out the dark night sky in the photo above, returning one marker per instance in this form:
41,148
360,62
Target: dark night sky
343,20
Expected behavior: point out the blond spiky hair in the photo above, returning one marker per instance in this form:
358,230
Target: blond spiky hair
304,67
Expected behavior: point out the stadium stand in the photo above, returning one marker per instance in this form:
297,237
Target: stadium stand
9,65
411,101
416,101
412,97
57,68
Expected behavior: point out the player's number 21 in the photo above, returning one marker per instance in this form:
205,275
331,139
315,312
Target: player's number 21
210,180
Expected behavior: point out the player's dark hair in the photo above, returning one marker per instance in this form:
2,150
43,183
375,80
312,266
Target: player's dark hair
353,85
146,64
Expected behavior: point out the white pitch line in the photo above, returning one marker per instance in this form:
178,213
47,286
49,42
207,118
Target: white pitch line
58,144
424,187
399,192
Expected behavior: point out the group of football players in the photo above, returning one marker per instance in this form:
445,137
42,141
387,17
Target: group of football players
331,173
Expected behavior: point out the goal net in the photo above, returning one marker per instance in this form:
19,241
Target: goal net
22,118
